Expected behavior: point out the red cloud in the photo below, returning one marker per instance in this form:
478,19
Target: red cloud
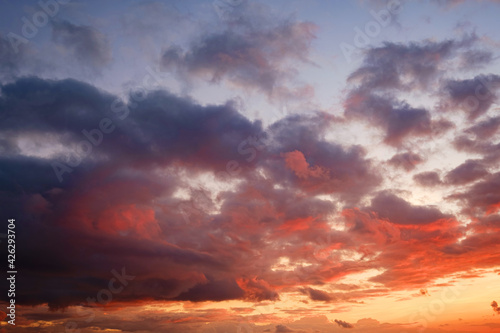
296,162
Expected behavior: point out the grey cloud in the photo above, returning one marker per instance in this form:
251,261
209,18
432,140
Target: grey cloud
467,172
428,178
384,67
406,161
89,46
399,211
254,58
473,96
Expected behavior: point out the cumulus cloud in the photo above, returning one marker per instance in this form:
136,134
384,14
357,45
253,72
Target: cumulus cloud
406,66
140,223
392,70
200,203
257,58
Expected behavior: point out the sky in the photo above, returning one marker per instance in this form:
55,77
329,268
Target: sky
247,166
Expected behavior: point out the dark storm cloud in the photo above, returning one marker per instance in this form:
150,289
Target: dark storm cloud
469,171
255,58
114,228
428,179
37,105
167,127
156,124
89,46
397,210
116,208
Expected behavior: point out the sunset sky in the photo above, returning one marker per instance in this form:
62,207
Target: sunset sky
249,166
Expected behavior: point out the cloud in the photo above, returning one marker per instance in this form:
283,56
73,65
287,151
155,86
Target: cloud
424,292
397,210
212,291
476,58
428,179
19,57
317,295
217,218
316,165
258,290
283,329
377,89
11,61
495,307
407,161
343,324
482,196
87,45
406,66
397,119
485,129
296,162
159,141
469,171
473,96
256,58
129,224
449,4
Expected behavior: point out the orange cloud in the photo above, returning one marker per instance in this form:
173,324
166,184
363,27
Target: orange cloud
296,162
